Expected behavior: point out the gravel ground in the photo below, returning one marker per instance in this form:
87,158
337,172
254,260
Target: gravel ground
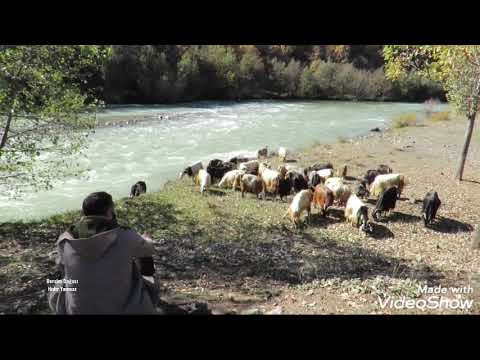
428,156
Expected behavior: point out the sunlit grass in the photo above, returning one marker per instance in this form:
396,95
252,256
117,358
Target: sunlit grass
405,120
440,116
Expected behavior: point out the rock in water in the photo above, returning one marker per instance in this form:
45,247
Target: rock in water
375,129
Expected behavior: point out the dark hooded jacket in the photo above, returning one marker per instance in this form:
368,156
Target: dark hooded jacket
99,256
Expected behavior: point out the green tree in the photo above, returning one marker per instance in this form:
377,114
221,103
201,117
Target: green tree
224,64
456,68
45,116
307,86
189,80
251,71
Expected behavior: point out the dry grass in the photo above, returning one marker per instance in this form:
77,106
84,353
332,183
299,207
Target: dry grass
404,120
440,116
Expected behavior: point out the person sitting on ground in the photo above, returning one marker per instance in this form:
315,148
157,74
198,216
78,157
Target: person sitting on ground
107,264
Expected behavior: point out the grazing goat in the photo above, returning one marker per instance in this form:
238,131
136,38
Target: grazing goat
203,179
384,169
296,169
284,187
270,180
300,203
250,167
322,197
370,176
262,153
228,180
139,188
191,170
297,180
238,160
383,182
342,172
360,189
282,170
315,179
325,173
386,202
217,168
282,154
318,166
251,184
431,203
356,213
341,192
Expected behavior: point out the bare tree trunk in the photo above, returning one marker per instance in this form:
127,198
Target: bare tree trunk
468,137
7,129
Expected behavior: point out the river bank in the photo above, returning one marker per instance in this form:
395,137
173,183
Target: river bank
154,150
240,255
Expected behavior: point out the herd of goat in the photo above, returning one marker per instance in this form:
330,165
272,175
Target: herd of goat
317,184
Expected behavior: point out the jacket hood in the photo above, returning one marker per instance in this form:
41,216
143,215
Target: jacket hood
92,236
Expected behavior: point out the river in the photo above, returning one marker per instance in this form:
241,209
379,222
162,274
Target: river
170,137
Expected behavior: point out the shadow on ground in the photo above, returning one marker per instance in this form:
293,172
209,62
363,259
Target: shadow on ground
472,181
276,253
446,225
234,247
402,217
216,192
381,232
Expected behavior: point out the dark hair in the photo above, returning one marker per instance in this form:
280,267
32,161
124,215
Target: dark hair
97,203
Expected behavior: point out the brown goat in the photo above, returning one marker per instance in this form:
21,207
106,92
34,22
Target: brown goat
323,197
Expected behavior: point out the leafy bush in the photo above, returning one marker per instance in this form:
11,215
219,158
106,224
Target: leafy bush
415,88
172,73
405,120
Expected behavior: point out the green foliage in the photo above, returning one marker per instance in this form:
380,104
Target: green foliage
46,111
165,74
405,120
455,67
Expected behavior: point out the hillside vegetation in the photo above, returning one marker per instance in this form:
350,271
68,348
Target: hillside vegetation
153,74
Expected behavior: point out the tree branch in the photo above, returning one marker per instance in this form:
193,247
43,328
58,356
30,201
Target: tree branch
7,128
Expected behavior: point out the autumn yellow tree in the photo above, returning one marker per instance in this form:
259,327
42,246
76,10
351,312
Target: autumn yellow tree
456,67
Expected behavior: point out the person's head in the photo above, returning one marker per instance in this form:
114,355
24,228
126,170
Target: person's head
99,204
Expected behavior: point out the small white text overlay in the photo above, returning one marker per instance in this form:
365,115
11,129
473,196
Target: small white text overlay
62,285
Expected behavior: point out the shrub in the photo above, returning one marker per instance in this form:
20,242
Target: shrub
405,120
440,116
